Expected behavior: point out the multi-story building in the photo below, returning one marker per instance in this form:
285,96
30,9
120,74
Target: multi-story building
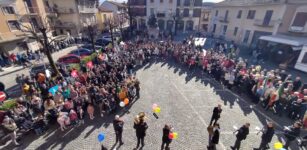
276,27
137,9
171,15
120,12
102,16
17,16
189,12
71,16
205,15
245,21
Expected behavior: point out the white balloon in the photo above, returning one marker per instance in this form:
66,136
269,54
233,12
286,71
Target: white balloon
122,104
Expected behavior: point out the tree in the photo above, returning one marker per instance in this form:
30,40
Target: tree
152,21
39,32
91,31
112,23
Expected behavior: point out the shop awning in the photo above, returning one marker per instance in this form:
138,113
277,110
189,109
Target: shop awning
285,39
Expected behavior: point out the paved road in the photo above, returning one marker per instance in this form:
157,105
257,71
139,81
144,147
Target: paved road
186,100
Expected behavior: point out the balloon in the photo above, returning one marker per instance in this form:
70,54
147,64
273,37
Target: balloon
74,73
100,137
122,104
41,78
53,89
157,110
171,136
278,145
154,106
90,64
126,101
175,135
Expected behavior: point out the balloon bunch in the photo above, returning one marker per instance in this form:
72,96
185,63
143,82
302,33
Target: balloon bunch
124,103
278,146
101,137
173,135
156,108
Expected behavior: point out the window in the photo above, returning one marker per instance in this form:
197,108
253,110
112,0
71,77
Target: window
246,36
304,60
186,12
196,12
178,2
235,31
161,1
239,14
300,19
251,14
224,29
8,10
267,17
186,3
226,15
216,13
152,1
214,28
152,11
198,3
13,24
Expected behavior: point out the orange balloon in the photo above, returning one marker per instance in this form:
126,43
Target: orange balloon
126,101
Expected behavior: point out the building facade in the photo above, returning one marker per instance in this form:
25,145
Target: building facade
205,17
18,15
102,16
69,17
245,21
171,15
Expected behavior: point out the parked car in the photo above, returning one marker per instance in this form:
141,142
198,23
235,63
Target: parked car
69,59
89,46
39,68
82,52
102,42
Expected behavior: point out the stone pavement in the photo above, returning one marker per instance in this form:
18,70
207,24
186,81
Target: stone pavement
186,99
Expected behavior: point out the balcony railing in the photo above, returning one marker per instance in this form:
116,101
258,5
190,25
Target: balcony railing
83,9
297,29
64,10
261,22
161,15
223,19
64,25
32,10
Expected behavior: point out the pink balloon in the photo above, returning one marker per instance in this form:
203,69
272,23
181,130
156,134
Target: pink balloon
154,106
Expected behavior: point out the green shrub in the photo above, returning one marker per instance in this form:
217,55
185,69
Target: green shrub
8,104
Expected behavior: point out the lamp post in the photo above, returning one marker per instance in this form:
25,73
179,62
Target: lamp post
176,17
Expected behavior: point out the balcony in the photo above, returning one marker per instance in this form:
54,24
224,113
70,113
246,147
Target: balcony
63,10
32,11
223,19
64,25
50,12
160,15
87,10
262,23
298,29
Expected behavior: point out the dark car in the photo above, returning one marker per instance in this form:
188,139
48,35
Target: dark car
89,46
102,42
82,52
69,59
39,68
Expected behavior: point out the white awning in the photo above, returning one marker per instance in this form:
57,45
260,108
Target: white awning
285,39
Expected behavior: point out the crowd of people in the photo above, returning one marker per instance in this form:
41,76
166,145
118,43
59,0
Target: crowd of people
69,98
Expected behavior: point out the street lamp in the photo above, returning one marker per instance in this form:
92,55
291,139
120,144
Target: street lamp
176,17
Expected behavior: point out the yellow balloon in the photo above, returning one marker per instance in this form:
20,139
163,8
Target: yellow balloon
175,134
157,110
278,145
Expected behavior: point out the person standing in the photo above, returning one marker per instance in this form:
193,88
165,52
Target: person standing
291,133
9,127
210,133
241,135
140,127
118,125
216,114
215,137
165,138
267,135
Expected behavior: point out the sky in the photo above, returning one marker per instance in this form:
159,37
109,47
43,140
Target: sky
216,1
